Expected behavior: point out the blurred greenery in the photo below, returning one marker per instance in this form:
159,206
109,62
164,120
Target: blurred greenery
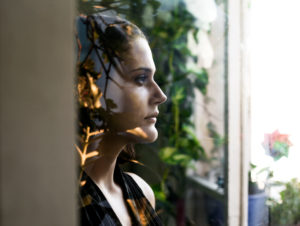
167,28
286,212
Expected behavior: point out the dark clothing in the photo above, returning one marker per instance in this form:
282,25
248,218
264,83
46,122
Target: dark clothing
95,209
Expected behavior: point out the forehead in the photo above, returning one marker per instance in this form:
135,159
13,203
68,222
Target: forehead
139,56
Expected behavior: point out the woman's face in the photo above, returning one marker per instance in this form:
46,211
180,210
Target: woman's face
135,94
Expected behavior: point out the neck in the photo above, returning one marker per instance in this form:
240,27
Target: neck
102,169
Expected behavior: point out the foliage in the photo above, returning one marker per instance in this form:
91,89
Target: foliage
167,32
286,212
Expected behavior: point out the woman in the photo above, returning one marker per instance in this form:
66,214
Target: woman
118,102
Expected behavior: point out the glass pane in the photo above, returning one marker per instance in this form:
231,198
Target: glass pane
207,188
209,111
275,135
187,39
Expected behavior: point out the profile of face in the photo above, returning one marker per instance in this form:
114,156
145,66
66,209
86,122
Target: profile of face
117,92
135,93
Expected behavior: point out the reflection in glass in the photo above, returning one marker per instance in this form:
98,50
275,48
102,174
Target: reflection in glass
187,39
118,102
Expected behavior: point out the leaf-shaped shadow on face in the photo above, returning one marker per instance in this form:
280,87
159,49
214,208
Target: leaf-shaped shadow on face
111,104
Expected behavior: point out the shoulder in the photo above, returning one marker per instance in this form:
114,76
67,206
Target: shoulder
145,187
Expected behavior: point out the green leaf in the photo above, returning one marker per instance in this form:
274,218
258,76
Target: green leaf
159,194
182,47
166,153
195,33
178,95
181,158
201,80
252,166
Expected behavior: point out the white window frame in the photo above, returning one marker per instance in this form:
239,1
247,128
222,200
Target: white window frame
238,152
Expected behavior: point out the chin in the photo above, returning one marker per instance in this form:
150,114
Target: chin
151,138
151,134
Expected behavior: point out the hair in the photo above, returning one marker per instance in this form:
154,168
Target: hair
102,41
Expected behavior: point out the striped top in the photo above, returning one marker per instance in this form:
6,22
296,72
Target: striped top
95,209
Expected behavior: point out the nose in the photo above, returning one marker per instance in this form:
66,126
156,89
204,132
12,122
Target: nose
158,96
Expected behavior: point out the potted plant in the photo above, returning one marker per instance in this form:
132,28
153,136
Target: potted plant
276,146
286,210
257,197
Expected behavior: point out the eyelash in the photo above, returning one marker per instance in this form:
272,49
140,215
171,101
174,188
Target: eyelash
141,79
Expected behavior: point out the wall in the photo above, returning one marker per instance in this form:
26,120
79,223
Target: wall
37,164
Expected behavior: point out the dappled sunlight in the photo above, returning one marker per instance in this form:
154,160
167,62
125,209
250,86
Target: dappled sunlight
137,132
84,155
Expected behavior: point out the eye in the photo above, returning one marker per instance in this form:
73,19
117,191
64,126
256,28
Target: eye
141,79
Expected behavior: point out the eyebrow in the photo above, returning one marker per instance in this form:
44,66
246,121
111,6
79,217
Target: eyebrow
142,68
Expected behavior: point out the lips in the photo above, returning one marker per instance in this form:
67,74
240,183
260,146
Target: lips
152,117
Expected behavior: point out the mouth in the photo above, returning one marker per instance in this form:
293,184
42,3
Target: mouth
152,117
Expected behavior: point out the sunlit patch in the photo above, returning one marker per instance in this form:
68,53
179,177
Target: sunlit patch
137,132
95,92
140,213
88,92
128,30
92,154
98,7
85,156
136,162
82,183
85,201
83,153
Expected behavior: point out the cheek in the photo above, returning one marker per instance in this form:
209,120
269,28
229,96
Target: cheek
135,101
115,100
114,95
126,98
131,107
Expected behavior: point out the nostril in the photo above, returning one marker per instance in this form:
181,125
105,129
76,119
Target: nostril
164,98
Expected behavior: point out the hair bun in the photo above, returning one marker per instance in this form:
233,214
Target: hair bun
114,33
